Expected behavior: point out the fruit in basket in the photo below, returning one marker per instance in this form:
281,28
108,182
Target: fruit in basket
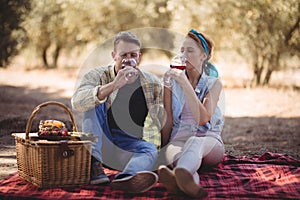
52,128
64,133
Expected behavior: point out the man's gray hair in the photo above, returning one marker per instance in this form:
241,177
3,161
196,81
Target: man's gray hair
126,36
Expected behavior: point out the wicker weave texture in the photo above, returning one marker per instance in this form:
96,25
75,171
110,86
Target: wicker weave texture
43,163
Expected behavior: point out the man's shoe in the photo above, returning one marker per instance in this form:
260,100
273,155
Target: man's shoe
97,173
138,183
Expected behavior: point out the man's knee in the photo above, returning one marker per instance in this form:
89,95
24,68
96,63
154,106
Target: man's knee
150,149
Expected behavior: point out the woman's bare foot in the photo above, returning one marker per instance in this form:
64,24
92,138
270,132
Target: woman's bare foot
167,178
186,183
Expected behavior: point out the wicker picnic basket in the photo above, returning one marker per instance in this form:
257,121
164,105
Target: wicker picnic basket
49,164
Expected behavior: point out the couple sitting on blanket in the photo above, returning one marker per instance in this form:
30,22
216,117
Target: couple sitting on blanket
121,104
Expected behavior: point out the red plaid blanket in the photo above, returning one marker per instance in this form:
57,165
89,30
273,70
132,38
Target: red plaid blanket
269,176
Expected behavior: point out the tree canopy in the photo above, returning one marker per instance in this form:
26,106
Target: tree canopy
264,32
11,32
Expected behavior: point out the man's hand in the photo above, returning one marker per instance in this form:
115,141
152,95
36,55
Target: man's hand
127,75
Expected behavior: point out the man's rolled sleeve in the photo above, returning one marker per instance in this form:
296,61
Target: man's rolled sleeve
95,95
86,95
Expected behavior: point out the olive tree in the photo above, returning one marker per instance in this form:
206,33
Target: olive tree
263,32
54,25
13,36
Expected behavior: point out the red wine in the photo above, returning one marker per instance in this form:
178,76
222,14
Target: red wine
181,67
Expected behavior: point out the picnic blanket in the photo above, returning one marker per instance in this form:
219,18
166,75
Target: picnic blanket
267,176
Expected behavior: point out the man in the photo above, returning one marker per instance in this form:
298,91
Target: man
117,101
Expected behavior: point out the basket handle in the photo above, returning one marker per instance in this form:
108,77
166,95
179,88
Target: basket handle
37,109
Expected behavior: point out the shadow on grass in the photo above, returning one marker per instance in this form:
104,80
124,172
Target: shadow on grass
17,104
257,135
242,135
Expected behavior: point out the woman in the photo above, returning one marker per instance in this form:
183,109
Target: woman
192,132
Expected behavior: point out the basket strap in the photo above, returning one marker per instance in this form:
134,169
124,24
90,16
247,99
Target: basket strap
37,109
65,151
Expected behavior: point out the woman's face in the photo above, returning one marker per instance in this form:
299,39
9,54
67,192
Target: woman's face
194,54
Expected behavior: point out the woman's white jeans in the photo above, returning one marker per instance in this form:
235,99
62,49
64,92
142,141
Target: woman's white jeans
192,151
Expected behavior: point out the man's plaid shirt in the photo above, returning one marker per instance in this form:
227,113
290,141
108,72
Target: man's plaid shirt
85,97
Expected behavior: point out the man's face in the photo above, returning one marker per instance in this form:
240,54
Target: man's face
125,50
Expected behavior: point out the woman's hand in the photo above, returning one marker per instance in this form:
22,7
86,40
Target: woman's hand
176,74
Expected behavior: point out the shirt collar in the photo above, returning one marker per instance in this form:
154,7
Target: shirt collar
201,83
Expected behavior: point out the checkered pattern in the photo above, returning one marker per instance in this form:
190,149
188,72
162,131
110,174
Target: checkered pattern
270,176
85,97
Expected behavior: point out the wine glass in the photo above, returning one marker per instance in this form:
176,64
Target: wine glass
177,62
129,62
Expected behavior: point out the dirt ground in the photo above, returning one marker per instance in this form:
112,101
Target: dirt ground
256,120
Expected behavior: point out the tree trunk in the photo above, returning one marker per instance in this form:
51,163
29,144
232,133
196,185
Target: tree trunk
4,54
44,56
274,63
267,77
56,55
258,75
258,67
292,30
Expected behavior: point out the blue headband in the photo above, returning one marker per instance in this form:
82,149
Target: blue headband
202,39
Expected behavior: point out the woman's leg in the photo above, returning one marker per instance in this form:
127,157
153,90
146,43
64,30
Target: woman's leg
173,152
166,176
194,150
197,148
215,156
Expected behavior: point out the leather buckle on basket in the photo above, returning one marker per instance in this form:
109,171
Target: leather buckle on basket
65,151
